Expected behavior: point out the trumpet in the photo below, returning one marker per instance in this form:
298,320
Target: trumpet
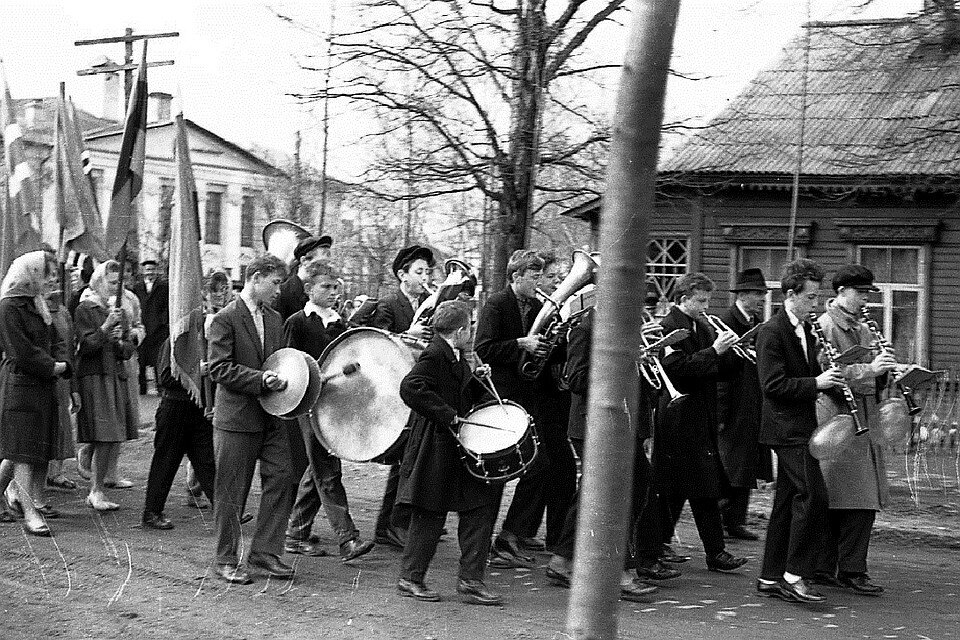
649,365
460,278
720,326
884,345
832,355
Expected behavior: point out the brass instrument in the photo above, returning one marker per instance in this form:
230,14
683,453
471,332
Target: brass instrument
742,351
884,345
460,278
649,365
547,323
832,356
280,238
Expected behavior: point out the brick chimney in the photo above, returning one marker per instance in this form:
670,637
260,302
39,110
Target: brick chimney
114,107
158,106
31,113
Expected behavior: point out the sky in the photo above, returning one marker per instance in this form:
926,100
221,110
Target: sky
236,61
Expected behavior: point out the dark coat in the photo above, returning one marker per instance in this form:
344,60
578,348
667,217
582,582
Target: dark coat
292,297
155,314
236,365
788,382
29,420
432,476
394,312
738,404
498,328
97,355
308,334
685,450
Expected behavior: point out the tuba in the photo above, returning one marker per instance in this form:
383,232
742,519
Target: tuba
547,321
460,278
280,238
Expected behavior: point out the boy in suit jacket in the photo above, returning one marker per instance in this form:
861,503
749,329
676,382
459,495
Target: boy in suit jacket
440,389
790,379
242,336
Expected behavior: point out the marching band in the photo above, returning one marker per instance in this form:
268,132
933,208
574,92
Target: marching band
457,415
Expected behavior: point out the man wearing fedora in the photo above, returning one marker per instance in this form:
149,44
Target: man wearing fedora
292,296
739,401
394,312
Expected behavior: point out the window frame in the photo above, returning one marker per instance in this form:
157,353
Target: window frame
773,286
210,229
652,274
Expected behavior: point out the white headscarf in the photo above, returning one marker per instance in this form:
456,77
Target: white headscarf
26,278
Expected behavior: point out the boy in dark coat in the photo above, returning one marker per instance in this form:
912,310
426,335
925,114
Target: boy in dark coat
440,389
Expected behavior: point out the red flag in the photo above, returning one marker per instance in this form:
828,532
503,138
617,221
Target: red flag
19,235
187,343
122,220
76,202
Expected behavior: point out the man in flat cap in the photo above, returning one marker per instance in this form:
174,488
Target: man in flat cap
739,401
309,250
394,313
857,478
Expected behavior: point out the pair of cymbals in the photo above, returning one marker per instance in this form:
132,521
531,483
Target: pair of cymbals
302,375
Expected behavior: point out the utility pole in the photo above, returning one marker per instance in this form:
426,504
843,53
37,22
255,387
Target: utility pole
326,120
128,65
297,195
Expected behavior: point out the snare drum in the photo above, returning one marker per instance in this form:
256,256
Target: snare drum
498,442
360,417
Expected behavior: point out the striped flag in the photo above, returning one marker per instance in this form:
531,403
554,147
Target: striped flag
122,220
22,203
187,343
77,212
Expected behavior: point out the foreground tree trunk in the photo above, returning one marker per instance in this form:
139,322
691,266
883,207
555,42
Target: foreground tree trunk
631,175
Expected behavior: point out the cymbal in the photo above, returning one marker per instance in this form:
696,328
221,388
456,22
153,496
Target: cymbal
302,375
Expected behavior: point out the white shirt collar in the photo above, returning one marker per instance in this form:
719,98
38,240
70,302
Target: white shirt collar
746,315
327,316
251,304
794,320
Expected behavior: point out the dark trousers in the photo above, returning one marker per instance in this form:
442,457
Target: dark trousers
706,515
298,454
385,515
181,430
848,542
474,530
734,509
237,454
798,520
320,485
548,485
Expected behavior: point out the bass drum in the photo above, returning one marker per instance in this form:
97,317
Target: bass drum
360,417
497,441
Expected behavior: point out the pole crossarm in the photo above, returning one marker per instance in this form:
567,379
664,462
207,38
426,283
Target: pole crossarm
121,67
127,38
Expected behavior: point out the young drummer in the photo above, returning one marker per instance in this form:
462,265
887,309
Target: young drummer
433,481
311,329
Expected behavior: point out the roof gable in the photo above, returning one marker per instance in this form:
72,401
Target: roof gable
881,99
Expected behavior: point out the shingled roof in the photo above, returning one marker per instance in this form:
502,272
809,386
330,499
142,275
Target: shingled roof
882,99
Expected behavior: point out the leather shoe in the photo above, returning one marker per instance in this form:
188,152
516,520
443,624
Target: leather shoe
799,591
304,548
826,580
861,584
392,538
637,591
272,567
667,554
352,549
232,574
506,553
559,571
418,590
656,571
769,589
725,561
532,544
740,532
475,592
153,520
40,530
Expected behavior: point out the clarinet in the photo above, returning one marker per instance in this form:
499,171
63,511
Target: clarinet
912,407
832,356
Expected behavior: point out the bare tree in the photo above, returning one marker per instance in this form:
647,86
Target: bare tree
479,95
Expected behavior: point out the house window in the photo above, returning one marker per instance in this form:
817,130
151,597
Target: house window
770,260
212,216
247,209
668,258
900,308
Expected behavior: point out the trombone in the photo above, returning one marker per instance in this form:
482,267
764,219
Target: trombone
649,365
720,326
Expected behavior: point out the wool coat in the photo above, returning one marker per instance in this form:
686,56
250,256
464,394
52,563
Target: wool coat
432,475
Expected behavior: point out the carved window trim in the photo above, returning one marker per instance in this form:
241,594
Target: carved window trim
764,233
888,230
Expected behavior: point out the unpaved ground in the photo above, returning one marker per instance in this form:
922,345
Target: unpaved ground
105,577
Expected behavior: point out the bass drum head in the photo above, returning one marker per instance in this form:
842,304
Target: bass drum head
358,417
511,423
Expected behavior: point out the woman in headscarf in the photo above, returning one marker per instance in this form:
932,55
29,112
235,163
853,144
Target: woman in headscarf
68,399
33,358
104,344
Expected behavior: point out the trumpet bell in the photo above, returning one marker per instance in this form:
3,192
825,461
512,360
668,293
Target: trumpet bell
280,238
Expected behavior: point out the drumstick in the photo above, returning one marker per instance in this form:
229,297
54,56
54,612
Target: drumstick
487,382
487,426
